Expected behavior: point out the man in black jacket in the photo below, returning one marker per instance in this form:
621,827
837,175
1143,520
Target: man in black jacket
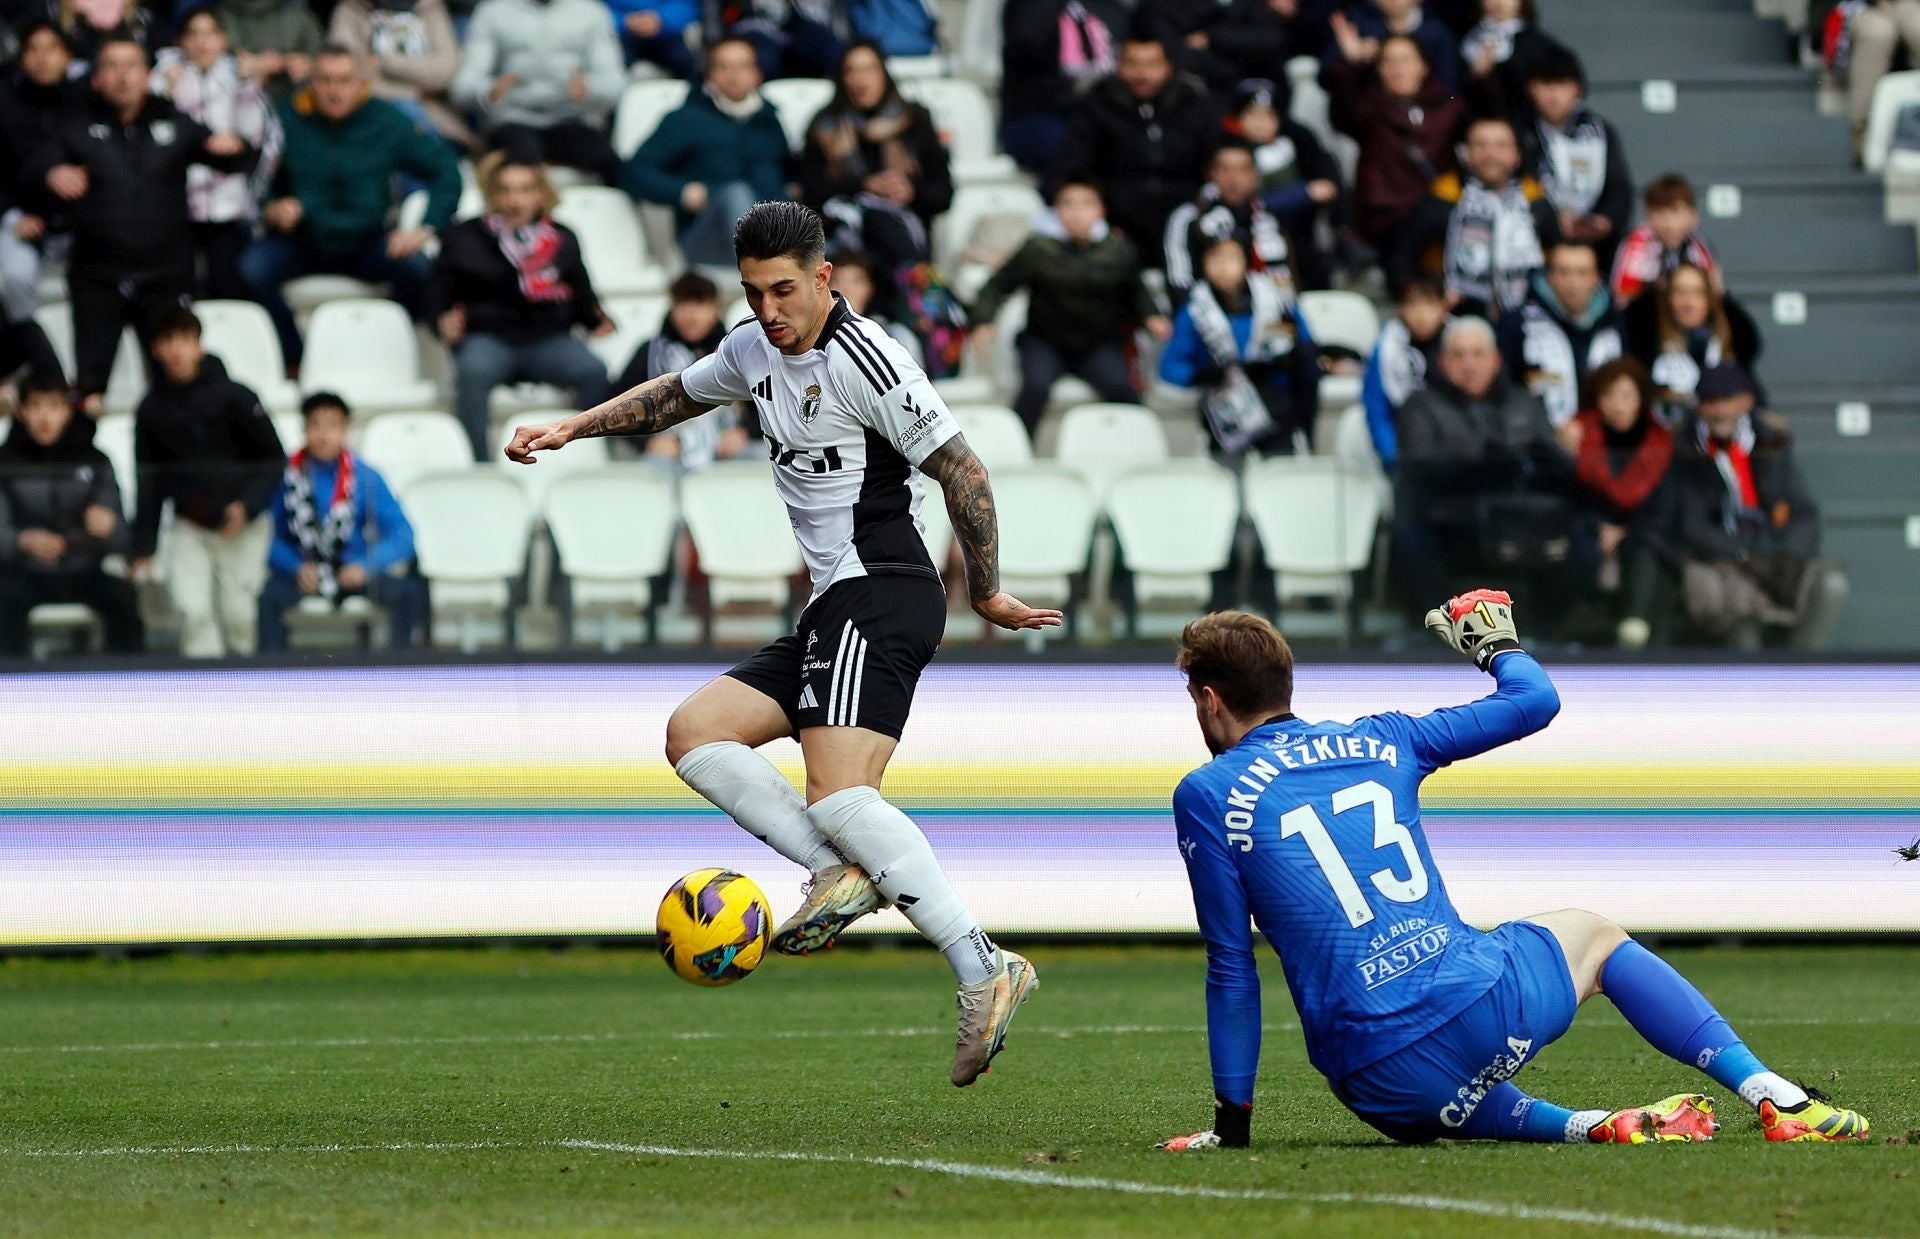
203,441
60,517
121,164
1219,41
1144,134
1576,155
1565,329
35,94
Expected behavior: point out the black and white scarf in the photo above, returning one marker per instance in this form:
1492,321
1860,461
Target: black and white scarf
1574,161
322,537
1233,407
1492,248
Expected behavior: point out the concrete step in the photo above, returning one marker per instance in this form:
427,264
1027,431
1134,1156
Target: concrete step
1885,574
1805,226
1663,42
1728,128
1856,331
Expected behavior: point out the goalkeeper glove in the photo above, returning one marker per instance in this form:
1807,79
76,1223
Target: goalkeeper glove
1232,1129
1478,623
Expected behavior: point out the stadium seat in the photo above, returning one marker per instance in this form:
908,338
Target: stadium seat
611,242
308,293
365,350
291,429
55,627
996,435
1890,94
470,537
1353,447
241,335
406,447
113,435
965,121
642,106
580,456
1175,522
1046,531
980,39
1099,441
906,69
797,100
614,530
743,535
1316,519
972,204
636,320
1346,320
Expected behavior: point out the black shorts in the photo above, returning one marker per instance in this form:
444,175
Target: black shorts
856,655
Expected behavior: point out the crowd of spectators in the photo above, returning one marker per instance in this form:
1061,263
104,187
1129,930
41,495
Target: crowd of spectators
1565,395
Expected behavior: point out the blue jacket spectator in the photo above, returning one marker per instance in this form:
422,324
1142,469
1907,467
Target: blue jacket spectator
1405,355
656,31
898,27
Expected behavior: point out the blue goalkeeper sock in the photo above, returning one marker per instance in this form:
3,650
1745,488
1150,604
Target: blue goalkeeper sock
1677,1020
1506,1113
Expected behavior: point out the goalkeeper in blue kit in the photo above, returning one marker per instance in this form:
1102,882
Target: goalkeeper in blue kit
1311,832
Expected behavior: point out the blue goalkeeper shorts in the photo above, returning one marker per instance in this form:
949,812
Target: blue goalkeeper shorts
1430,1089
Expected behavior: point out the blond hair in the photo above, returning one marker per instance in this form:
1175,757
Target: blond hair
488,170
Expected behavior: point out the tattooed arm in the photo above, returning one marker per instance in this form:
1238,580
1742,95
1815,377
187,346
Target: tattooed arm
649,408
977,528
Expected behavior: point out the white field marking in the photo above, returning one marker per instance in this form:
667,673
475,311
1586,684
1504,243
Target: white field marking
1507,1210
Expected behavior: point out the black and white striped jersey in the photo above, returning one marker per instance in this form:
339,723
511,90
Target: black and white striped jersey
847,423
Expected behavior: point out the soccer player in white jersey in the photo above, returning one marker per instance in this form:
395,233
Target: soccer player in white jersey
848,418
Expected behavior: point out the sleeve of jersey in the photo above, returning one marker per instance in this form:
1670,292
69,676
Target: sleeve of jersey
1523,701
1233,983
716,378
893,395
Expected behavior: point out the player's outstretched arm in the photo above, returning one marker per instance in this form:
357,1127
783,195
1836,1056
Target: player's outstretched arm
647,409
1480,625
976,526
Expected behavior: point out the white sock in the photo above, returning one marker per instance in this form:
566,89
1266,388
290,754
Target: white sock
1766,1086
885,842
745,785
1583,1122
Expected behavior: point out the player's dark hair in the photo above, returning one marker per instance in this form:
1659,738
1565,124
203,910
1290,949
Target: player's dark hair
324,400
44,383
1557,64
692,286
780,230
172,320
1243,658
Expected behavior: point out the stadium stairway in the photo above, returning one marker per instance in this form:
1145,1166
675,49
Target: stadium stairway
1709,89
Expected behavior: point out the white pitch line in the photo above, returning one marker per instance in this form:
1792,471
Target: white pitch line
1506,1210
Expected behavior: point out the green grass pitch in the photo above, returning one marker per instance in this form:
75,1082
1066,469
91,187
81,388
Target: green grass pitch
586,1092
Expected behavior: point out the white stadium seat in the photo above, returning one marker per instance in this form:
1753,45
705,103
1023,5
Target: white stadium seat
980,39
996,434
1345,319
1175,522
113,435
1353,447
636,320
580,456
973,203
241,335
614,530
611,241
365,349
918,68
1098,441
965,120
1316,519
1046,531
797,100
307,293
470,537
742,532
642,106
291,429
1893,92
936,528
405,447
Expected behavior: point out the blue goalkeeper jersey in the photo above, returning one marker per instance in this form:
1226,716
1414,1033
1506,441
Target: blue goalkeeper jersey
1311,831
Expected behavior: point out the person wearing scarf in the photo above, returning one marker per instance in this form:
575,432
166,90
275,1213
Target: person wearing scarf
1688,327
1563,331
1229,204
1621,454
1740,525
1576,154
1051,53
338,534
1242,340
874,166
507,291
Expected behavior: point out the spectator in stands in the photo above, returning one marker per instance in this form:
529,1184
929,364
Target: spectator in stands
543,75
1298,180
692,329
854,279
1621,455
1483,487
59,520
357,545
1406,124
1687,327
1144,135
1488,226
1876,32
1740,524
874,166
1497,52
1242,340
204,81
1563,331
120,165
1406,353
1086,298
1221,42
35,95
1052,52
1576,155
896,27
92,24
714,156
275,40
655,31
202,442
335,190
790,38
1667,237
1359,33
507,291
1229,205
411,54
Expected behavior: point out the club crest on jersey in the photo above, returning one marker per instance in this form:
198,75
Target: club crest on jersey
810,403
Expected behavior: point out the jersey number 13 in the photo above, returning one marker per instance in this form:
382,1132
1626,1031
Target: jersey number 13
1304,822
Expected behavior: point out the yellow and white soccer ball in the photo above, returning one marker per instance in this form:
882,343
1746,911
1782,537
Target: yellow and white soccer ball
714,926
